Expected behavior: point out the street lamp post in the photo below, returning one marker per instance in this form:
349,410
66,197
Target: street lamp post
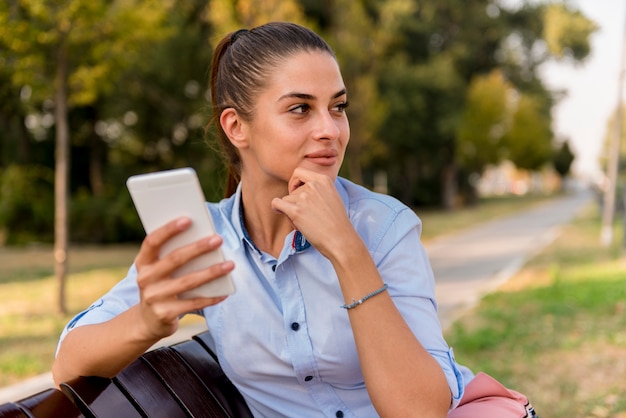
608,211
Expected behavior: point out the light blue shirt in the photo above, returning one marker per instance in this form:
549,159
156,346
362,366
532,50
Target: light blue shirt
282,337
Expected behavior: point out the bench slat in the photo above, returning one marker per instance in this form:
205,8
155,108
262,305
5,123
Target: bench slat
211,375
99,397
147,389
183,383
11,410
50,403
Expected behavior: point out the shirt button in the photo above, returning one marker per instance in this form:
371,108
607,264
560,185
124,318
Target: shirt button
308,378
295,326
339,414
274,267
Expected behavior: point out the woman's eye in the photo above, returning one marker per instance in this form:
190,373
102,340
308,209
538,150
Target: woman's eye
341,107
302,108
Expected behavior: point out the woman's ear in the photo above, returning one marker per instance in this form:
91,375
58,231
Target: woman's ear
234,127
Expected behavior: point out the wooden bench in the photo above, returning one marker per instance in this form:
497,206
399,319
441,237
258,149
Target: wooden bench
183,380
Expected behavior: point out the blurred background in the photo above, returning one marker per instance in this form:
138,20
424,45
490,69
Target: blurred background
452,102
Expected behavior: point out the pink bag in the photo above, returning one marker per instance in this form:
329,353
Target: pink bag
485,397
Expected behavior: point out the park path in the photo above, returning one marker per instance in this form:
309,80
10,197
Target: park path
467,265
472,263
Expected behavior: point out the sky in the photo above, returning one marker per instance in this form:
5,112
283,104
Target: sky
583,115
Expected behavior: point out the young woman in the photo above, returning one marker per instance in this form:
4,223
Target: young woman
334,313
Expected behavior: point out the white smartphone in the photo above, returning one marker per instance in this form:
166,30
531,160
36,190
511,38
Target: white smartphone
163,196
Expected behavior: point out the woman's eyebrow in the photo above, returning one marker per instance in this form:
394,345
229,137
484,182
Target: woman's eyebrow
306,96
303,96
340,93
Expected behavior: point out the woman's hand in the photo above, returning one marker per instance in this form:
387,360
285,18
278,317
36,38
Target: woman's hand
315,208
106,348
159,305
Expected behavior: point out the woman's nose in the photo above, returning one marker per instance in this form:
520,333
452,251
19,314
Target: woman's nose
327,127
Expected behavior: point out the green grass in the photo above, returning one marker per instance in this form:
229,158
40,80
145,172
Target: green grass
557,331
36,262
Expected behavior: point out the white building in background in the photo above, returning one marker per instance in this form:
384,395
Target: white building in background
505,179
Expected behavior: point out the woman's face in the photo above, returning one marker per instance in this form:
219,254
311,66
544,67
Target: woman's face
299,121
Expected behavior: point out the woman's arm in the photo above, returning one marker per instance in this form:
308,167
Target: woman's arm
105,349
400,375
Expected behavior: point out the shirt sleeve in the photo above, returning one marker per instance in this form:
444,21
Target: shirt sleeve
117,300
404,266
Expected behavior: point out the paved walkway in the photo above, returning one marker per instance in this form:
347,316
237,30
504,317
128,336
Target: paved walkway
467,265
475,262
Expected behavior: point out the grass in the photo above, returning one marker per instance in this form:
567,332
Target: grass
35,262
557,330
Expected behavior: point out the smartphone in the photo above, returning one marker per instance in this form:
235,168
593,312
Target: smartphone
163,196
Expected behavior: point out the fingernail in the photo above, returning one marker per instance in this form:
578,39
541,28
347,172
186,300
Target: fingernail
213,240
183,222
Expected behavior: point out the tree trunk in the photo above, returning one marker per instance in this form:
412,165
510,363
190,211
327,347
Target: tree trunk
449,189
96,154
61,172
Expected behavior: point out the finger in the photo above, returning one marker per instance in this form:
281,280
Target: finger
168,312
171,288
194,280
285,207
163,268
152,243
299,178
294,184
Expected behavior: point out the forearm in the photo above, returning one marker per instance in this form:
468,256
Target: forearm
102,349
401,376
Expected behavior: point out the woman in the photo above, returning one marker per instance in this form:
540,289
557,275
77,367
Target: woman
334,313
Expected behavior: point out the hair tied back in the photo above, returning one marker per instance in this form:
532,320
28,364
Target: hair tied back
236,35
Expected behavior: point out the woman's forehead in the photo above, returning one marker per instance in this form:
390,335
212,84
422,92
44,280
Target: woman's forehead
308,73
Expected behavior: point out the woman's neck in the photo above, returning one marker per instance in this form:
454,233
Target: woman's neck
266,227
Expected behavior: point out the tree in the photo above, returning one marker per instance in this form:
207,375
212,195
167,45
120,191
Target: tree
473,38
528,140
228,15
501,123
562,159
485,121
80,46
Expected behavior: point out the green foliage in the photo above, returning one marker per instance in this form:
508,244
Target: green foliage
26,204
103,37
485,121
420,75
528,140
227,15
499,123
419,130
567,32
562,159
107,219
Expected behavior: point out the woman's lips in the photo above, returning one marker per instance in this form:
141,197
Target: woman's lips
323,157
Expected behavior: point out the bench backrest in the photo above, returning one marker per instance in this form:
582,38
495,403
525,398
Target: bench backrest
182,380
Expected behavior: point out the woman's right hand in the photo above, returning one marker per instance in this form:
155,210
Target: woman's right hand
160,306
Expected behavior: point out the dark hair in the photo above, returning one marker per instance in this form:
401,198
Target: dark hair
241,66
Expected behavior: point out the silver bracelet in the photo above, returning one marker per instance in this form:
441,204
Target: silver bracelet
356,303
